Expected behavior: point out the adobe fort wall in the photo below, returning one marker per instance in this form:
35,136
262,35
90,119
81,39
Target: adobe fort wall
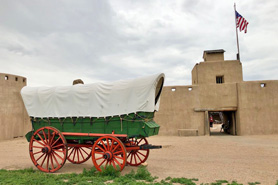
177,110
180,105
14,121
255,107
258,107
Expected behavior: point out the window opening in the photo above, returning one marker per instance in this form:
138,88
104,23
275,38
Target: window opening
173,89
220,79
263,84
6,78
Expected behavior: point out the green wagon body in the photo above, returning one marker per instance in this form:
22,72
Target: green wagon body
139,124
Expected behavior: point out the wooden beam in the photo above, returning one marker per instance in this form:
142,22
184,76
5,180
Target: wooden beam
215,109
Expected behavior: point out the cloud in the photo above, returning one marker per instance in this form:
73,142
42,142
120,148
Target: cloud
55,42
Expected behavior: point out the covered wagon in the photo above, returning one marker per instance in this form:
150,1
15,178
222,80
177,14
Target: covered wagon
107,122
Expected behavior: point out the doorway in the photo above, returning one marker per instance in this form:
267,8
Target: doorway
222,123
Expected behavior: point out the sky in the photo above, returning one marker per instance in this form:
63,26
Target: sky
52,43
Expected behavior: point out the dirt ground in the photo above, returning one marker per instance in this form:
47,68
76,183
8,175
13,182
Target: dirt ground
218,157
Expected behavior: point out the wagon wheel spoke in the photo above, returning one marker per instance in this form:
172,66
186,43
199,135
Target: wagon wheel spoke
135,158
138,157
105,148
43,160
131,157
119,152
58,150
51,158
139,141
74,153
85,151
116,147
101,153
141,154
128,155
107,144
45,138
81,154
72,150
56,141
119,157
37,152
47,163
54,153
37,147
101,163
38,142
60,145
56,160
48,132
40,157
78,156
106,164
52,137
99,158
99,147
117,162
38,134
114,165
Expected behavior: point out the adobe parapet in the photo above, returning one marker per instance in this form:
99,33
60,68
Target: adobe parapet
13,116
12,79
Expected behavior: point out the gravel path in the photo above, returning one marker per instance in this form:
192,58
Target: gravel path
242,158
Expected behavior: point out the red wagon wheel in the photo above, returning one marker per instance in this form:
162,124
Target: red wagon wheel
137,157
79,154
109,150
48,149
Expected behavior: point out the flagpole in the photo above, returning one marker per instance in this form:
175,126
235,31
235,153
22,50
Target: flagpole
238,55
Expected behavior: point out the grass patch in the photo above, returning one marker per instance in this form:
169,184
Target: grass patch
183,180
108,176
253,183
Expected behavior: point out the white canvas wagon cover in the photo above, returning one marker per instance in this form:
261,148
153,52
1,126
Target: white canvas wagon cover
95,100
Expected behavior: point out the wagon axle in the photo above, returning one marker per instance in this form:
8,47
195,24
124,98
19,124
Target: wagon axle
108,155
46,149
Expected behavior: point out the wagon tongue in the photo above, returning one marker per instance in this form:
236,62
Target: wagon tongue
144,147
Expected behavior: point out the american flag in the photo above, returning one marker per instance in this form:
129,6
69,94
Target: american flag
241,22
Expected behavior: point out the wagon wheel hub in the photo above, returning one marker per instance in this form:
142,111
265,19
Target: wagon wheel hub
108,155
46,149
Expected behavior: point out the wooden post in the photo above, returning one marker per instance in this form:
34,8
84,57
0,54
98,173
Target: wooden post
207,128
234,123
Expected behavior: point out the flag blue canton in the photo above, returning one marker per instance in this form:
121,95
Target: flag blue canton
238,15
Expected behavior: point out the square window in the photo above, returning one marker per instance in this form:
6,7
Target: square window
263,84
190,88
220,79
6,77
